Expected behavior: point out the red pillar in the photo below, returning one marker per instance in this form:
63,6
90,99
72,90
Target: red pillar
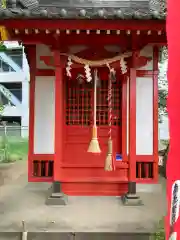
131,198
155,111
132,125
31,56
58,134
124,117
173,162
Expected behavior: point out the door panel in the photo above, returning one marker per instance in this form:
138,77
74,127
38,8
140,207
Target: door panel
79,120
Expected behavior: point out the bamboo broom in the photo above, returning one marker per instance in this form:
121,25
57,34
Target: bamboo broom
109,158
94,143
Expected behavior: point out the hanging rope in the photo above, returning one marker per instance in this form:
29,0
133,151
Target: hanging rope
109,157
110,105
94,144
97,63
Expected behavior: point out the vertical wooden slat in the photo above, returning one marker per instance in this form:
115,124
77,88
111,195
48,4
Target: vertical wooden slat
146,166
46,168
139,166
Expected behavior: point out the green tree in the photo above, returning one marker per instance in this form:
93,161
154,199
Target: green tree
163,83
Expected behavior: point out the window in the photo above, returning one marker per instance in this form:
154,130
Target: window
79,103
4,67
16,56
18,59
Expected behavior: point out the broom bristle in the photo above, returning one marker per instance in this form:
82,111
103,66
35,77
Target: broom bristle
94,146
108,163
109,158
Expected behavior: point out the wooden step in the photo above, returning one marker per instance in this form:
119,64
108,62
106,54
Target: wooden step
95,188
94,179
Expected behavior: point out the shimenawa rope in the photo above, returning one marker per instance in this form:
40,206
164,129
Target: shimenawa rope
97,63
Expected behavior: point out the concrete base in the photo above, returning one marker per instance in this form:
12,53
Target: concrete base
131,200
82,214
55,198
59,199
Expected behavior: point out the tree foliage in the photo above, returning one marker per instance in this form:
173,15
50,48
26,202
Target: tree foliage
163,83
2,47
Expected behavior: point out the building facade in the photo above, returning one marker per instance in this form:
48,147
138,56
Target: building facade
14,88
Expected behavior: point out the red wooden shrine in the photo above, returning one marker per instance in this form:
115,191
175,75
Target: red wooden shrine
68,102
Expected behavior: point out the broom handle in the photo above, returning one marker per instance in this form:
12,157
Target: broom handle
95,93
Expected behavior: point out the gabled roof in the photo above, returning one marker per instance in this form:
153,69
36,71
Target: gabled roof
84,9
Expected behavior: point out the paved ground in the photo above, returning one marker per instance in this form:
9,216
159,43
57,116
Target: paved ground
72,236
20,200
11,171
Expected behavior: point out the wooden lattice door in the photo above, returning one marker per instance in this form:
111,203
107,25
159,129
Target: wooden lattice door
79,165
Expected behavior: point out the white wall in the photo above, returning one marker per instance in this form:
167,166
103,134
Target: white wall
144,116
147,52
44,115
144,108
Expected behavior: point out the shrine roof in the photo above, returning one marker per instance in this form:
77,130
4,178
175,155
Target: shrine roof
84,9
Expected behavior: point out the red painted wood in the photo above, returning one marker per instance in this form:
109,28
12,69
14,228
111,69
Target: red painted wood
132,125
40,179
93,39
51,72
124,117
59,112
144,158
77,141
145,73
93,175
85,24
31,55
41,157
121,164
78,170
95,189
87,173
155,111
146,181
78,136
45,72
